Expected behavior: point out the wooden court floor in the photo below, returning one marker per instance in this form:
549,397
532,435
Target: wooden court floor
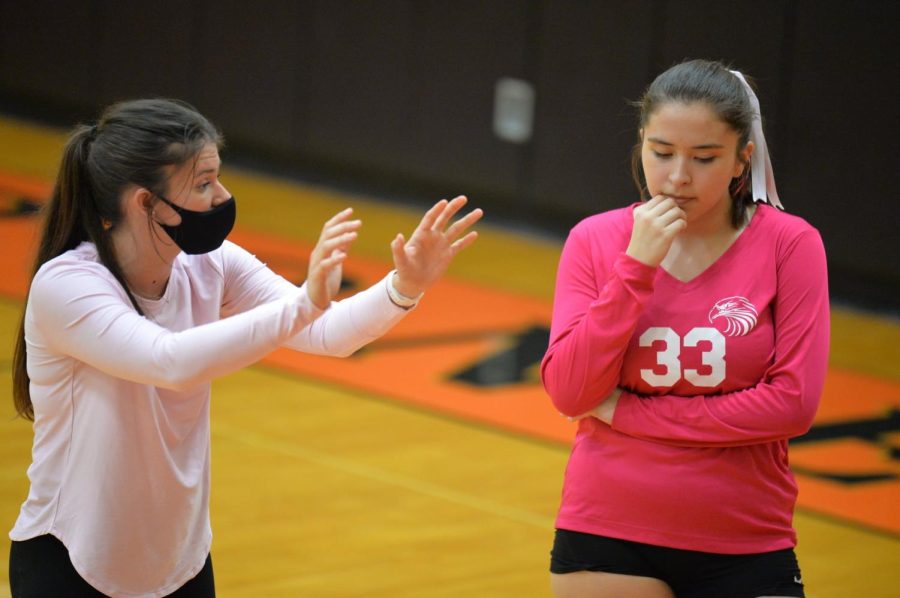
431,464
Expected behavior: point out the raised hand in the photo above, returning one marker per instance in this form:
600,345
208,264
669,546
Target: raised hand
422,260
326,259
656,224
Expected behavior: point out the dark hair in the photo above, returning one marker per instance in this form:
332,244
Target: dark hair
710,83
131,144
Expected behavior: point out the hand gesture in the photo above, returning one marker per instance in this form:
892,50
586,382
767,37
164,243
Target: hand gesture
656,224
325,261
422,260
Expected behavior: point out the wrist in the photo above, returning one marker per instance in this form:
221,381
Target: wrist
639,257
398,297
403,286
608,407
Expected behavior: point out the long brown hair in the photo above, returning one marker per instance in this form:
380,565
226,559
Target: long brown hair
131,144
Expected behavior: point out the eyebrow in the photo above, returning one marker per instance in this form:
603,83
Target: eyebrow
204,172
702,146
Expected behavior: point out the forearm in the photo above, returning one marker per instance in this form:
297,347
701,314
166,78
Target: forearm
583,364
108,335
350,324
212,350
765,413
782,404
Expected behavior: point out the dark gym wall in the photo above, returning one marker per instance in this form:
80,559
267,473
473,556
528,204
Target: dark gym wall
398,95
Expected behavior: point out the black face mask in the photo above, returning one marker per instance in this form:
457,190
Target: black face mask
201,232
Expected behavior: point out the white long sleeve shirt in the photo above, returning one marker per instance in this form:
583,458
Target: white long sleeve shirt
120,467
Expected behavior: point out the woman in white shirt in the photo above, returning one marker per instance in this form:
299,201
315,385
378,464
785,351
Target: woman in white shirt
136,304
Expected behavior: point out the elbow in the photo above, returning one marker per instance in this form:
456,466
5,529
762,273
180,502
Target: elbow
568,408
561,395
564,400
171,372
178,381
348,345
800,423
342,349
801,414
344,352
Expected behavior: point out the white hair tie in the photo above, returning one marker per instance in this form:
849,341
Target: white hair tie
763,178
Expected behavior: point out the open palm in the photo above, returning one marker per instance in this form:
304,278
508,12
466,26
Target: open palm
424,258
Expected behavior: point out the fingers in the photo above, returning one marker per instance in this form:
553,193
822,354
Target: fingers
326,258
659,204
339,217
340,242
431,215
449,211
461,244
337,233
339,229
458,227
317,283
672,215
576,417
430,238
441,213
338,226
678,224
398,253
344,227
662,209
333,260
656,225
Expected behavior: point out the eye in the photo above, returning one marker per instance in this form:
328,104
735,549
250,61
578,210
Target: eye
661,155
705,160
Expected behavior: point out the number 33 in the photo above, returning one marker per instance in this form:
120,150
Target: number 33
668,356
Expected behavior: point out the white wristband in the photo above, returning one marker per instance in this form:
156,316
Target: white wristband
398,298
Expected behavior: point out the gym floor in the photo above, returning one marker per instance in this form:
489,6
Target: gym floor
430,464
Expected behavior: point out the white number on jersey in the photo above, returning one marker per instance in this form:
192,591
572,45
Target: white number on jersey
668,356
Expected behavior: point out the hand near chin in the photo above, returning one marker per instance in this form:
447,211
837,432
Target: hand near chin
423,259
656,224
326,259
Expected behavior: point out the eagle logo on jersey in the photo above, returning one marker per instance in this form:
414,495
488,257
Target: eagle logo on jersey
738,314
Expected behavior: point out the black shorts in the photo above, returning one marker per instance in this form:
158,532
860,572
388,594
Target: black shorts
689,573
41,568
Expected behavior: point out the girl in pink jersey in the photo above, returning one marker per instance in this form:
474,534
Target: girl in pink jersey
690,341
136,304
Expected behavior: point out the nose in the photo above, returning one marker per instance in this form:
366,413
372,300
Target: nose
679,175
222,194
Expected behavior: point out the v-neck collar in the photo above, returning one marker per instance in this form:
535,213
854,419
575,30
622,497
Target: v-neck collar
726,256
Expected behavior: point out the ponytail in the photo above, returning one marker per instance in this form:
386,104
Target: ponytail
61,230
133,144
69,218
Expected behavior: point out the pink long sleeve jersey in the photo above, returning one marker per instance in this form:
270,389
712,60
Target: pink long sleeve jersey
718,373
120,467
